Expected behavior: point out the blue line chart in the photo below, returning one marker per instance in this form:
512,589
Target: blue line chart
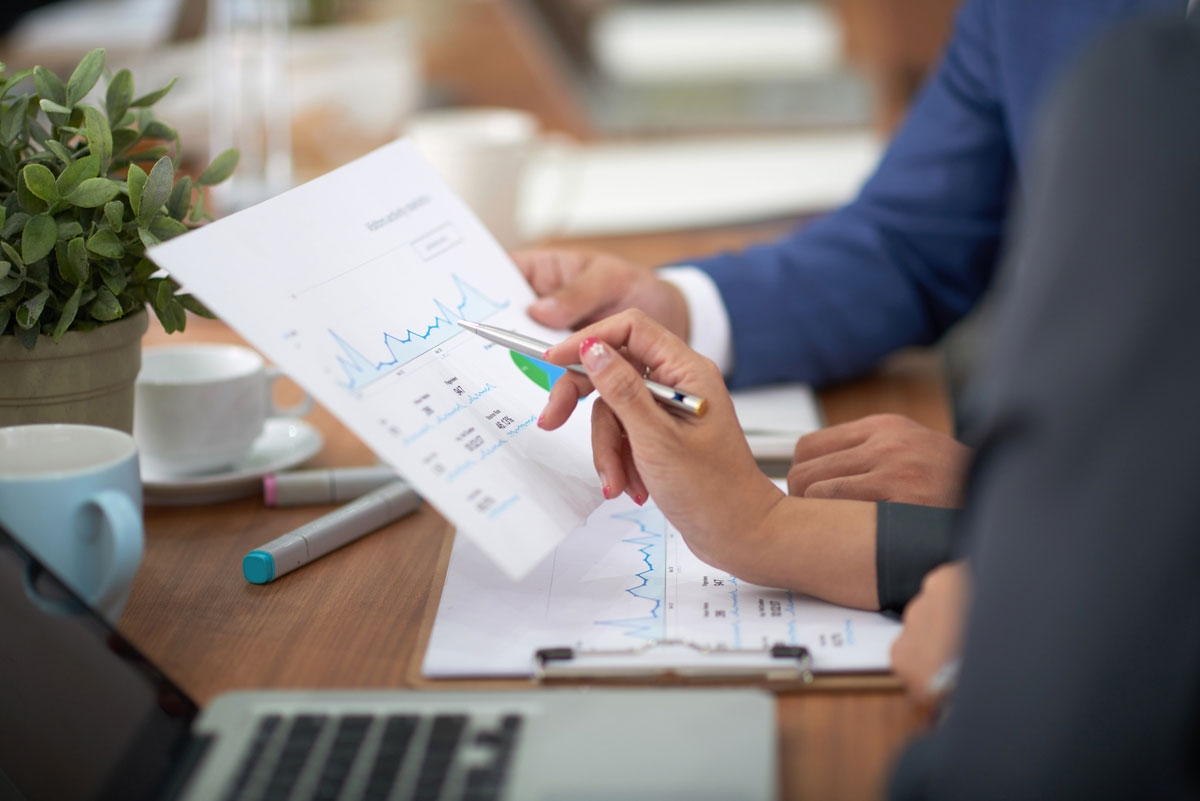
648,584
360,372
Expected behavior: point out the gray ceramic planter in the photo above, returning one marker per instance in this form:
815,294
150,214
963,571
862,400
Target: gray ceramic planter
85,378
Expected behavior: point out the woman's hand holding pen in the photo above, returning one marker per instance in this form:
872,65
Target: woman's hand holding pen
700,471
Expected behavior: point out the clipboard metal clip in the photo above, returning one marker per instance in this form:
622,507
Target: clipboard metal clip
675,658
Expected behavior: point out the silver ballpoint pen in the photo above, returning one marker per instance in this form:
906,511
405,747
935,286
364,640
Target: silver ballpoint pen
668,396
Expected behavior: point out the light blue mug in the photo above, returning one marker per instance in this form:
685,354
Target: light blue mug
72,495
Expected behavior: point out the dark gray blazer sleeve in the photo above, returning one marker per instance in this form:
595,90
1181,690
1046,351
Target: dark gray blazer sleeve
909,542
1081,667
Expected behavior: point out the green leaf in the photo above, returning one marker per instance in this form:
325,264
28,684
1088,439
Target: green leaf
28,201
199,213
28,337
153,97
69,229
8,166
85,76
11,252
149,154
13,80
105,307
136,181
49,85
177,315
38,272
10,284
76,173
116,282
30,311
180,199
114,212
168,310
12,118
40,181
37,132
118,96
165,227
143,270
190,303
158,129
165,290
94,192
158,189
56,147
5,269
149,240
75,271
50,107
105,243
220,169
99,137
5,314
123,140
67,316
38,238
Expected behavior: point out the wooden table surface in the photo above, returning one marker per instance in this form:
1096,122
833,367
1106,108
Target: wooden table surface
359,617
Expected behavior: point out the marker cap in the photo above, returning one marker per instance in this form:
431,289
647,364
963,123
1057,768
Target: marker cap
258,567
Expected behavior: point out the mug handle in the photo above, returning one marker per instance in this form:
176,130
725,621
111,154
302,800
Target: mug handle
299,410
124,525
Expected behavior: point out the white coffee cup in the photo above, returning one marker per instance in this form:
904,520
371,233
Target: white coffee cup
198,408
483,154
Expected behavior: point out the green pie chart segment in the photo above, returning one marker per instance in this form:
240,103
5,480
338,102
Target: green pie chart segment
539,372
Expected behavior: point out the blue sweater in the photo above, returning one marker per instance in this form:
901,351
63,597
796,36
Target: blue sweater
917,248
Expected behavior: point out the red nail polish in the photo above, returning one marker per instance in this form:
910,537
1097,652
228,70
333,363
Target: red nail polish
587,343
546,353
541,420
607,490
639,499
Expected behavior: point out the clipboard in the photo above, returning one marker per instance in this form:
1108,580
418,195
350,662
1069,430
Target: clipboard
675,659
643,665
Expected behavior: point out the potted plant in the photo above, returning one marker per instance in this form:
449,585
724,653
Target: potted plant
83,192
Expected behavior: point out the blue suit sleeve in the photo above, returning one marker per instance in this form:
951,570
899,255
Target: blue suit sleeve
903,261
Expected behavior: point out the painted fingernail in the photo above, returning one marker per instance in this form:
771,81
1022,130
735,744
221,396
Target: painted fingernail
607,490
546,353
639,499
541,421
594,354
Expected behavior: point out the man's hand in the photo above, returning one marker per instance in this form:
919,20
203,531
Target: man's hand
580,288
932,636
884,457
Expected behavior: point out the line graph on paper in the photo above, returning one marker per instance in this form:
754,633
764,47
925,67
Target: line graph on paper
679,595
360,372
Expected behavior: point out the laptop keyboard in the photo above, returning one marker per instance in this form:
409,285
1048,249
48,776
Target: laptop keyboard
368,758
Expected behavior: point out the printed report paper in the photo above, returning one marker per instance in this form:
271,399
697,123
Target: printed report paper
622,581
352,284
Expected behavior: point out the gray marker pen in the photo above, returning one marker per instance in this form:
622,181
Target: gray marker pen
329,532
310,487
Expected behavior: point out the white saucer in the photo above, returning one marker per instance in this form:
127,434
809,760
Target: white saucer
284,442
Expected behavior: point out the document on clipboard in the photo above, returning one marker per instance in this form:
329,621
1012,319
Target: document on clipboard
623,596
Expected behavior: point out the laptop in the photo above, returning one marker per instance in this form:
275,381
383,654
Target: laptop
84,716
703,66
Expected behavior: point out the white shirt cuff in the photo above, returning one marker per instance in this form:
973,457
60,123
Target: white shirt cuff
710,334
